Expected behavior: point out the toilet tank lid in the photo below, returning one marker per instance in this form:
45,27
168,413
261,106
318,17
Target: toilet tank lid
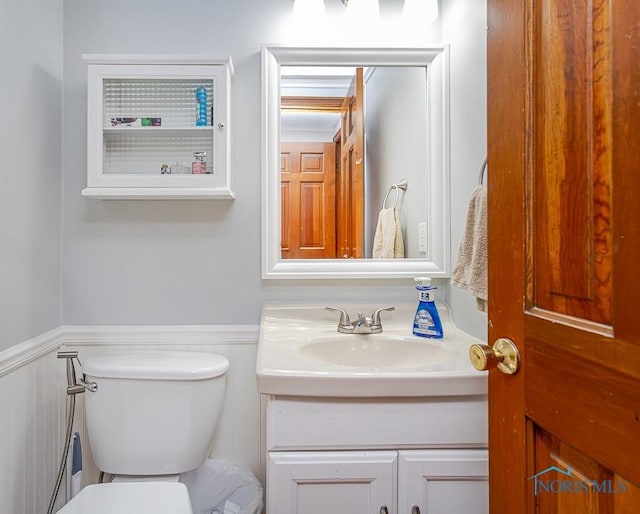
157,365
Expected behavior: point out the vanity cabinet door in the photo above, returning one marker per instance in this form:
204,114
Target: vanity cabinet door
443,481
323,482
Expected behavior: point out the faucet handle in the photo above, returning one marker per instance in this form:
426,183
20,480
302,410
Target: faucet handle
364,320
375,317
344,315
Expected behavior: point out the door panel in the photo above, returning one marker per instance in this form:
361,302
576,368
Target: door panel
307,178
564,243
574,483
572,151
312,205
285,209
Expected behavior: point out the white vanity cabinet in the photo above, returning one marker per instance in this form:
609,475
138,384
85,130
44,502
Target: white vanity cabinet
143,138
377,455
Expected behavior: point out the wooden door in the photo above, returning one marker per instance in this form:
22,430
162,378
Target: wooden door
307,182
564,249
350,179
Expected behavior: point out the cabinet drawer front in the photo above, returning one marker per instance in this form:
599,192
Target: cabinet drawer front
294,423
336,482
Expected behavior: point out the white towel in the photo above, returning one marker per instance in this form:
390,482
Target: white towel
387,242
470,272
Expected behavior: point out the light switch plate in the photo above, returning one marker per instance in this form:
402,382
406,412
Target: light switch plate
422,237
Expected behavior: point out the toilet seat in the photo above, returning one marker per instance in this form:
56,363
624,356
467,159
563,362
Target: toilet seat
131,498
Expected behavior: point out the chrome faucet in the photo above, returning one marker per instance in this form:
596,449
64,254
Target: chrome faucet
362,325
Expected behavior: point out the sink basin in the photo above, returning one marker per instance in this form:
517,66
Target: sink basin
300,353
374,350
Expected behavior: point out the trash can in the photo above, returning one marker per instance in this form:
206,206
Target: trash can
221,487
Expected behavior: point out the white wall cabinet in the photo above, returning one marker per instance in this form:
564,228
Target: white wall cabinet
143,136
396,456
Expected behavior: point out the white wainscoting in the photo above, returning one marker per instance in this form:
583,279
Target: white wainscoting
32,419
33,399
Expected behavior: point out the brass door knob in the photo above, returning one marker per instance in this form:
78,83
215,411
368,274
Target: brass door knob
504,355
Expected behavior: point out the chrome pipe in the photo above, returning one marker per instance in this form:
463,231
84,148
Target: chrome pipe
65,452
74,387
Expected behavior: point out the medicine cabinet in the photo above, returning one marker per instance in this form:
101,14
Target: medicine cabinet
158,127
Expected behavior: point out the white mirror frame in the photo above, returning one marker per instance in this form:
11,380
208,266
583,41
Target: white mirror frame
437,260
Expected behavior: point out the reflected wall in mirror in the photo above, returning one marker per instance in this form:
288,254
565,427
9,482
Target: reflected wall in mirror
355,162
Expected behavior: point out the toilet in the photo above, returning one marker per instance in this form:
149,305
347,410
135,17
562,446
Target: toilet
134,498
151,418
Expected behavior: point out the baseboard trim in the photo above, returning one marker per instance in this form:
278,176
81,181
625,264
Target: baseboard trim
160,334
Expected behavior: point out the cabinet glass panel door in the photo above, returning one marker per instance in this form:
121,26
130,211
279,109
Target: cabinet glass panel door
151,122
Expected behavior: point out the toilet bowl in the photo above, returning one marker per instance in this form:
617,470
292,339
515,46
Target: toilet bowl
151,418
125,498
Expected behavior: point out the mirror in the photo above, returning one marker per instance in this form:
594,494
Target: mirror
310,97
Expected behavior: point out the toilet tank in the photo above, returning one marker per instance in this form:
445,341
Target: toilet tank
153,413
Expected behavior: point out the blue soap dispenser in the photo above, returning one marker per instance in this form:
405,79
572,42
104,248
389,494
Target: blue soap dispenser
427,320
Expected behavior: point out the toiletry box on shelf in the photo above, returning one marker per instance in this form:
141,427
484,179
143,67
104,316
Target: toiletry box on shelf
143,135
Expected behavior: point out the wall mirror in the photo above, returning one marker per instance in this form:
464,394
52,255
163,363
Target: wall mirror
354,150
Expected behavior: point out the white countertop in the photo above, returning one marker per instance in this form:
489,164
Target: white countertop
432,367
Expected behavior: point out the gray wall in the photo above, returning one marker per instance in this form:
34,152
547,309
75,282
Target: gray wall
396,139
465,28
30,171
192,262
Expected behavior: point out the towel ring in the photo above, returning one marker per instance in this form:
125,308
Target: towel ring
482,170
400,185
